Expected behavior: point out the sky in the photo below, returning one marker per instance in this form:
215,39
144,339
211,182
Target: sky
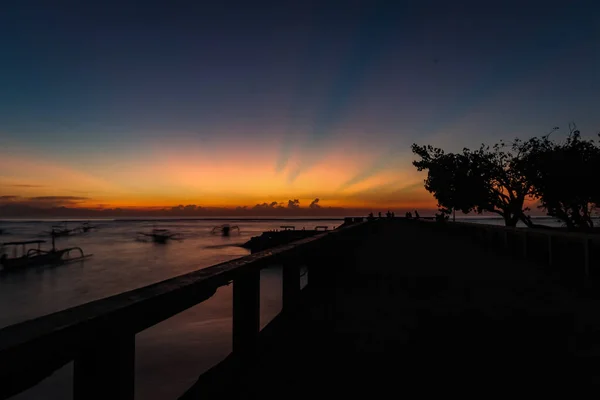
150,104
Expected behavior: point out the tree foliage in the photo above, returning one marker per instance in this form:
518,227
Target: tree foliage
565,178
450,179
499,179
487,179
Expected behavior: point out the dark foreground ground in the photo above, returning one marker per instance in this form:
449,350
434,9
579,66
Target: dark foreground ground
421,312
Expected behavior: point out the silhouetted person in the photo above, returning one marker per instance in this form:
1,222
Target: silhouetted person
379,214
393,215
371,216
416,214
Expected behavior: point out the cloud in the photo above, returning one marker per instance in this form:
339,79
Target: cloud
24,208
293,204
315,204
43,201
188,208
26,186
58,198
267,206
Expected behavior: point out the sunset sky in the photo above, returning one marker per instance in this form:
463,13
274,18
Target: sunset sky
226,104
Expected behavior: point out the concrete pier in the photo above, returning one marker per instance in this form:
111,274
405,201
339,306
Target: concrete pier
413,310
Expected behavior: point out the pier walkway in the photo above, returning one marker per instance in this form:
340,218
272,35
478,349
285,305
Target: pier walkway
414,308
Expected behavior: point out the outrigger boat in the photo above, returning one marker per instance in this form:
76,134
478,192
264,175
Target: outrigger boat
86,227
60,230
224,230
36,257
160,235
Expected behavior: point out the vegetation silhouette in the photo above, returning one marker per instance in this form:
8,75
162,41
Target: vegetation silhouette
564,176
499,179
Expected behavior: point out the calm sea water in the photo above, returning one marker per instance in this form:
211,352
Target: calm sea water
171,355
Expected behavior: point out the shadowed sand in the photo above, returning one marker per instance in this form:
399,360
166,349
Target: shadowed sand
418,309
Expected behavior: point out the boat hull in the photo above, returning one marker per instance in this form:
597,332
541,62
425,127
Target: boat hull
52,257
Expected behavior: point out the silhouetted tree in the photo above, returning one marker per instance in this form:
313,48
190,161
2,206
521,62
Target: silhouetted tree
565,178
450,180
487,179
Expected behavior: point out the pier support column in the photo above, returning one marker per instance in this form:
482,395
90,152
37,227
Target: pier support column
246,314
106,370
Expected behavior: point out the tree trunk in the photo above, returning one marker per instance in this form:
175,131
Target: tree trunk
510,220
526,220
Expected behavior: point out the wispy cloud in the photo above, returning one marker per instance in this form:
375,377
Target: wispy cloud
43,201
58,198
25,186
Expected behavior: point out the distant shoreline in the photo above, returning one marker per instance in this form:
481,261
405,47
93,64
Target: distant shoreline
463,218
140,219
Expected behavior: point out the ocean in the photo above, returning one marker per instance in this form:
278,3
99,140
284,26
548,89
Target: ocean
171,355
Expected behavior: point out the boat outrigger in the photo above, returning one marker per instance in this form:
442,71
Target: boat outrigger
160,235
86,227
60,230
225,229
36,257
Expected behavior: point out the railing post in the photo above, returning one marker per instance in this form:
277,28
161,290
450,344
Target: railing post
246,314
291,284
525,239
106,371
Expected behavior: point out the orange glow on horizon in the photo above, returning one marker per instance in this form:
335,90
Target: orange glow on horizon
215,176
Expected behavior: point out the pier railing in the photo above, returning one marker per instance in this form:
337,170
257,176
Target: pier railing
100,336
574,256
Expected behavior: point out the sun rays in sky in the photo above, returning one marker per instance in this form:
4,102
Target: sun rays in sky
218,175
220,109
